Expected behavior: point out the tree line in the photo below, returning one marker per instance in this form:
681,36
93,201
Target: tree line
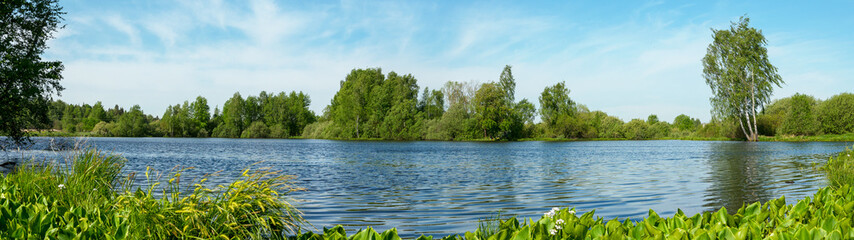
266,115
374,105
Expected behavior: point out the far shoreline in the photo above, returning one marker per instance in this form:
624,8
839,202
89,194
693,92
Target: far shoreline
817,138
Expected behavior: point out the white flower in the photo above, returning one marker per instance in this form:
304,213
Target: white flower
559,221
553,231
549,214
61,186
554,209
558,227
571,212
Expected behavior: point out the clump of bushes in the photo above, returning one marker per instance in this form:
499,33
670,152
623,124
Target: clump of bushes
87,198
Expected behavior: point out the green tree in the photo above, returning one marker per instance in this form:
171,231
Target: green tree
349,108
132,124
836,114
507,83
558,112
801,118
652,119
201,113
555,102
233,118
432,103
492,111
771,118
526,111
636,129
26,81
741,77
685,123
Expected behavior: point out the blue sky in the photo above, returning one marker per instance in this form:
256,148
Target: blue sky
627,58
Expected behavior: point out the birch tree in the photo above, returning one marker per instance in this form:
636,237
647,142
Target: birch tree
737,68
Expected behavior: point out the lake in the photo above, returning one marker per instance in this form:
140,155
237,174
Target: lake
442,188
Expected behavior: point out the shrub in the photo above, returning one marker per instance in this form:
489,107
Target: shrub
800,118
278,131
837,114
101,129
256,130
636,129
226,131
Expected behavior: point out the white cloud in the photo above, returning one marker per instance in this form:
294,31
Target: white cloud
123,26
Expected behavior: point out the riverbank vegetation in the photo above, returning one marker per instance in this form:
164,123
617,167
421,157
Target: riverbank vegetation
85,197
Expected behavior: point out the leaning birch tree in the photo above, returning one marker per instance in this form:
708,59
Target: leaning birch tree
737,68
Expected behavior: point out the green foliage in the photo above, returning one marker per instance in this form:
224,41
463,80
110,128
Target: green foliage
772,116
349,109
836,114
78,201
840,169
256,130
685,123
493,111
801,118
27,83
741,77
133,124
652,119
432,103
636,129
555,103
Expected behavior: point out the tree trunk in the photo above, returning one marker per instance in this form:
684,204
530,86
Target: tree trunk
357,126
753,130
741,124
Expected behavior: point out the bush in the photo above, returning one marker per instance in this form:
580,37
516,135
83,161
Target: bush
256,130
278,131
837,114
636,129
800,118
226,131
321,130
101,129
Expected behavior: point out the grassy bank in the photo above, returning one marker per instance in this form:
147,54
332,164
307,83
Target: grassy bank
86,198
818,138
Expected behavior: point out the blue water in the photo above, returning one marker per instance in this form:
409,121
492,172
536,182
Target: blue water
442,188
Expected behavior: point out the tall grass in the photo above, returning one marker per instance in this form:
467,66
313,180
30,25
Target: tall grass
85,196
840,169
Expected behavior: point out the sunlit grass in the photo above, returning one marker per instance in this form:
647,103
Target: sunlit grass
84,196
840,169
